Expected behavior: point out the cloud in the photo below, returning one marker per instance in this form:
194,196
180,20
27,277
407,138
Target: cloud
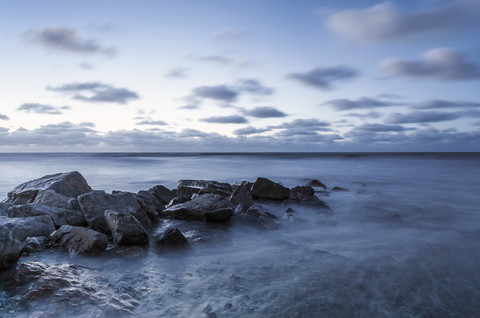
384,22
323,78
442,64
216,92
96,92
442,104
249,131
176,73
233,119
229,34
254,87
421,117
151,123
381,128
361,103
369,115
67,40
221,60
189,106
4,117
42,109
86,66
264,112
311,124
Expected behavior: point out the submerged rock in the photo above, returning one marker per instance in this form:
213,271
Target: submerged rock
125,228
95,203
52,190
306,195
206,207
79,239
339,189
314,183
257,215
162,194
59,216
170,237
265,189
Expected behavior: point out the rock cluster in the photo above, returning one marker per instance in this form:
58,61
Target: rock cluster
65,209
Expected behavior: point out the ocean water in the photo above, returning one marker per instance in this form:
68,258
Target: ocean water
403,241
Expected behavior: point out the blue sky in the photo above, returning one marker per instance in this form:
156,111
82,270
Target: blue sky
245,75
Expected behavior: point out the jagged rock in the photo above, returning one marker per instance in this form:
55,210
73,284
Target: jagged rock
125,228
14,232
314,183
177,200
221,188
4,207
28,272
306,195
79,239
265,189
187,191
53,190
242,195
95,203
171,237
73,205
162,194
206,207
339,189
257,215
59,216
150,204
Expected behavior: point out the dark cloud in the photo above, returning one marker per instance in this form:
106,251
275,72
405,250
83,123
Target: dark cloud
361,103
177,73
421,117
253,86
42,109
218,92
229,34
151,123
220,60
444,104
249,131
189,106
369,115
233,119
324,78
442,64
384,22
96,92
264,112
4,117
381,128
68,40
311,124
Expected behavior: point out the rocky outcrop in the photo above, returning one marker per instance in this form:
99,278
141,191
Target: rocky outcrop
190,187
125,228
79,239
242,195
150,205
162,194
187,191
95,203
265,189
257,215
59,216
206,207
306,195
178,200
53,190
314,183
4,207
221,188
170,237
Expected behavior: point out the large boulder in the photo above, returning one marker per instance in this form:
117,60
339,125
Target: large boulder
265,189
150,204
13,235
190,187
314,183
95,203
162,194
170,237
306,195
79,239
187,191
59,216
206,207
242,195
125,228
53,190
4,207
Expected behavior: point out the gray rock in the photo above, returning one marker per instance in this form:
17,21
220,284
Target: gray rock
339,189
314,183
95,203
187,191
306,195
242,195
73,204
206,207
257,215
221,188
13,235
177,200
162,194
265,189
50,188
4,207
125,228
79,239
150,205
59,216
170,237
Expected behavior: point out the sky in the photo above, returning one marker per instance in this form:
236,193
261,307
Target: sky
239,75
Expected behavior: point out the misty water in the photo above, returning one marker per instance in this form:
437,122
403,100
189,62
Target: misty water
403,241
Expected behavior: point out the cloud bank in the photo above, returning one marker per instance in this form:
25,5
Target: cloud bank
95,92
323,78
42,109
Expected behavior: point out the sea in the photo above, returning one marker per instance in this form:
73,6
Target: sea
402,241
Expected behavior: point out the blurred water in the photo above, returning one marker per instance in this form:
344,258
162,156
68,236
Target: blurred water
402,242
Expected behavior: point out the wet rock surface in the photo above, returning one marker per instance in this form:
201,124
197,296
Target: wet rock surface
170,237
205,207
125,228
257,215
265,189
314,183
79,239
162,194
60,216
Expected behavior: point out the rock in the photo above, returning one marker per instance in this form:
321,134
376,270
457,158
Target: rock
162,194
314,183
170,237
339,189
150,205
50,188
4,207
95,203
187,191
257,215
290,210
125,228
265,189
73,204
242,195
221,188
306,195
59,216
13,235
37,244
28,272
206,207
79,239
178,200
